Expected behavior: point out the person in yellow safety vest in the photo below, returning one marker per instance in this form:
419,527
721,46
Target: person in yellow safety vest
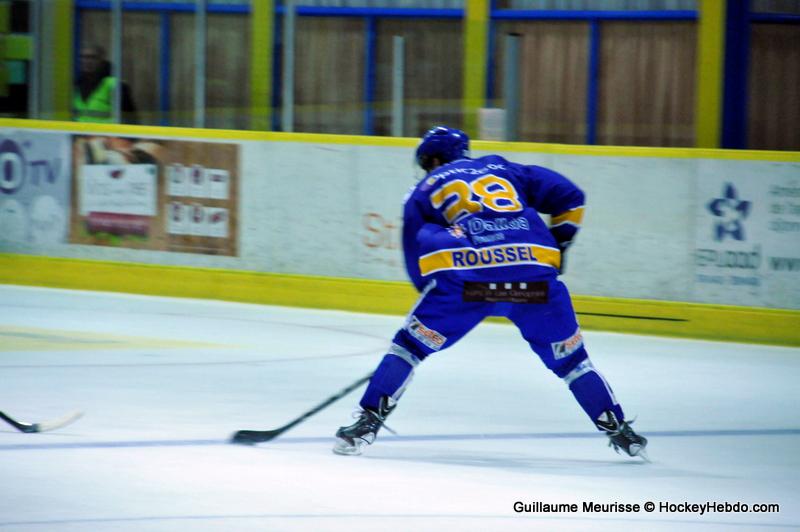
93,100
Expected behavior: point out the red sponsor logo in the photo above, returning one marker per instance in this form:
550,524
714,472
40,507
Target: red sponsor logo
427,336
566,347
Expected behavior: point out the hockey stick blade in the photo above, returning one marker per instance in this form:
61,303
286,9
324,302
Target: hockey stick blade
251,437
43,426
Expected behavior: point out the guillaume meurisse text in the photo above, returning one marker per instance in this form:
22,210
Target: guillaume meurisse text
700,508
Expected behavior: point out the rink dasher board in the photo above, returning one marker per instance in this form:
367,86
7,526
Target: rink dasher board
647,259
663,318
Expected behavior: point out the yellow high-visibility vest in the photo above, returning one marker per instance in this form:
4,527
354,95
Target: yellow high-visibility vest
98,107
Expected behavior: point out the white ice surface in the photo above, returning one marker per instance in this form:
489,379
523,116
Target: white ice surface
482,426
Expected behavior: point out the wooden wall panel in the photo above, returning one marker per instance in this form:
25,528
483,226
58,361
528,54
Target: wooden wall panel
553,78
227,71
647,76
433,74
181,79
140,51
647,86
329,75
774,87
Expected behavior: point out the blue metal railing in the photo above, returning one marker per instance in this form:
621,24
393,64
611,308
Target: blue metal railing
563,14
164,61
161,7
775,18
593,85
370,75
377,12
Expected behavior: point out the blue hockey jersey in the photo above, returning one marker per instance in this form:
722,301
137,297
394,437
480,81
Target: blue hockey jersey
479,218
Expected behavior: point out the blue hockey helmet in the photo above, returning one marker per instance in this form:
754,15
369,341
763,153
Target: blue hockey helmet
443,143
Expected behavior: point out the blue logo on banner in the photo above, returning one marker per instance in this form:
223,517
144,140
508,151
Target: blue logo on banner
730,212
12,167
15,170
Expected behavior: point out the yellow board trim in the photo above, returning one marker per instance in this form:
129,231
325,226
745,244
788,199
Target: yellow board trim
261,29
62,56
663,318
710,60
399,142
208,134
476,42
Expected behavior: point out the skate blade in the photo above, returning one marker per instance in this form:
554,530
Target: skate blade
642,453
344,448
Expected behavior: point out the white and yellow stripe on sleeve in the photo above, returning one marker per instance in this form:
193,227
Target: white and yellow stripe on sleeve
572,217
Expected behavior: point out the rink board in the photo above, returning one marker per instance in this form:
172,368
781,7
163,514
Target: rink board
668,318
678,241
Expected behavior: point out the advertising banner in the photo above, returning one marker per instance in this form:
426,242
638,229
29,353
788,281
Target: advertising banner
748,233
163,195
34,187
382,187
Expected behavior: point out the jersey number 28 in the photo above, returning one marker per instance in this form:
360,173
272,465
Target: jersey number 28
493,192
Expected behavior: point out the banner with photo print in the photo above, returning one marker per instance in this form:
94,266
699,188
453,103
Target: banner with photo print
164,195
34,187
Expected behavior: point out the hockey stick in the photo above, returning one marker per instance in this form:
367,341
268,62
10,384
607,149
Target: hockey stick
41,427
251,437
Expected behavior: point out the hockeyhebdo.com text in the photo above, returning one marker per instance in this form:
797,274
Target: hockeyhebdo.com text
700,508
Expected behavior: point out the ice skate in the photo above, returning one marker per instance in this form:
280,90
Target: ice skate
622,436
350,440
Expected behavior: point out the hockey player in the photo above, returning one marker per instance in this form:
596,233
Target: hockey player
475,246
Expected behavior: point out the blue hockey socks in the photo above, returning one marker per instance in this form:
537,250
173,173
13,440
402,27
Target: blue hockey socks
592,391
391,377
